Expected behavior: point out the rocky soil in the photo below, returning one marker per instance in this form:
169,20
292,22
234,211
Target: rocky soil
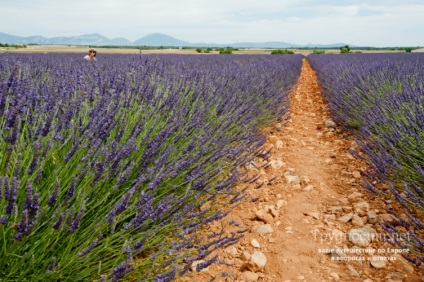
310,220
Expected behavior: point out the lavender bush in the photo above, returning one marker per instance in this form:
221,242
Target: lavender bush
108,169
381,97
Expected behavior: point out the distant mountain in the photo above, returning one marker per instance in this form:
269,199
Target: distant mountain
159,39
153,39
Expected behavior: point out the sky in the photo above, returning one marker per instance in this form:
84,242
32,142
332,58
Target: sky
376,23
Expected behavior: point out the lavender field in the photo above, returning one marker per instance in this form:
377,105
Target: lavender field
109,169
380,98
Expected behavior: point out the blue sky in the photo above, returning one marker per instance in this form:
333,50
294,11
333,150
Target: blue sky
375,23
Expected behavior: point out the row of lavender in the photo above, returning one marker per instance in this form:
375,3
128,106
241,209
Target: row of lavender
108,168
381,97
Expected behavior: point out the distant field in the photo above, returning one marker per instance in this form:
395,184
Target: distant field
84,49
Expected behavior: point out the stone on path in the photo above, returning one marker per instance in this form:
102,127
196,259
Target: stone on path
264,216
356,174
249,276
372,217
361,237
276,164
357,221
231,250
255,243
257,262
335,275
395,276
361,208
292,179
335,209
330,124
308,188
262,229
378,261
352,271
346,218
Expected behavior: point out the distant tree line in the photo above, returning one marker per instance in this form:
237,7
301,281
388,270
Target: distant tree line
12,45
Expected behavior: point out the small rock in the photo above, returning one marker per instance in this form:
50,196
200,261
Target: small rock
372,217
292,179
276,164
231,250
262,229
264,216
281,203
249,276
396,276
337,235
330,124
335,275
352,271
354,196
257,262
357,221
289,171
335,209
308,188
246,255
255,243
347,209
328,219
279,144
378,261
301,277
361,237
272,211
356,174
361,208
346,218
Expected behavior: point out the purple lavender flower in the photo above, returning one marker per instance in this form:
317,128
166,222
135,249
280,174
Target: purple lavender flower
34,160
76,223
71,189
28,195
3,219
35,205
23,224
58,222
12,196
90,247
120,206
119,271
52,265
53,198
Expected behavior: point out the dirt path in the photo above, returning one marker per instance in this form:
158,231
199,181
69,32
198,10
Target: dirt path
312,203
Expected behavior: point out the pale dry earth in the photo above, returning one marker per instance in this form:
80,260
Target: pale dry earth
314,199
84,50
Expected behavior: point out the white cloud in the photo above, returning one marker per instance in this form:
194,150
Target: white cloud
349,11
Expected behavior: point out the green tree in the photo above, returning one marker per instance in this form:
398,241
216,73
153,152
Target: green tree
345,49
